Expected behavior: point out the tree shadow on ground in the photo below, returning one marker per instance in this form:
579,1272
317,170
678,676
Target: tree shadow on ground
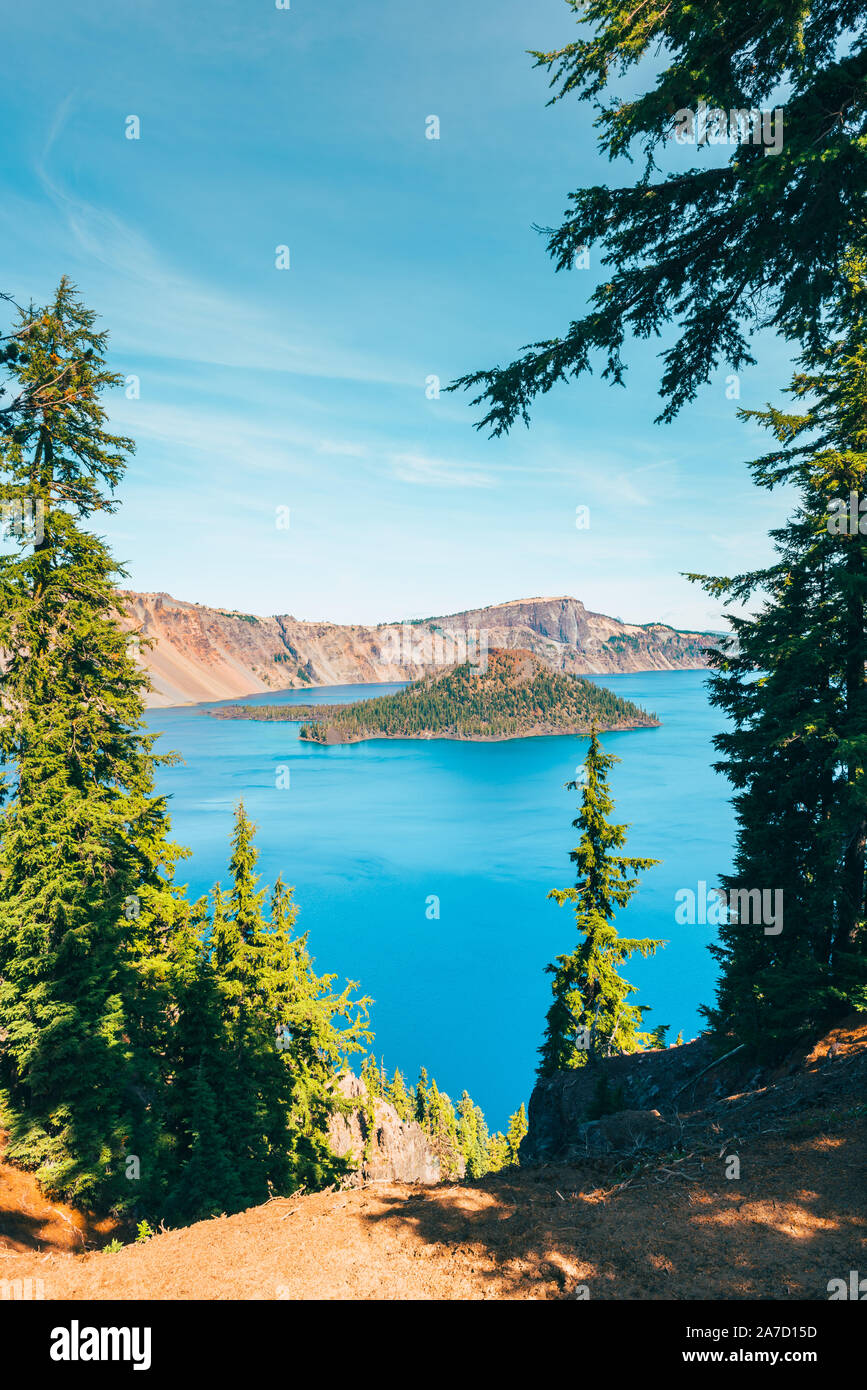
794,1219
29,1221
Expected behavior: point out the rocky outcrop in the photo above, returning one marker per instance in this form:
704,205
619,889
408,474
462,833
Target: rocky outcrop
649,1084
625,1132
571,638
691,1098
386,1148
194,653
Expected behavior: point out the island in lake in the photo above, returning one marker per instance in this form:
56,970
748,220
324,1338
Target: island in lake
515,695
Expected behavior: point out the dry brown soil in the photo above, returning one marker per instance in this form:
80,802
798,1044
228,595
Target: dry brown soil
672,1226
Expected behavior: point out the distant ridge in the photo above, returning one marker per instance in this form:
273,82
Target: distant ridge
198,653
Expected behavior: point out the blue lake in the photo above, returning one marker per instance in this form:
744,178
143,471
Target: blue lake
369,833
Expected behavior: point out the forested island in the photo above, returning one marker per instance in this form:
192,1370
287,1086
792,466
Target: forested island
515,696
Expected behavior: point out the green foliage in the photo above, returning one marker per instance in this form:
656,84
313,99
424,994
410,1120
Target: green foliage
607,1099
85,859
488,1153
718,249
441,1124
398,1096
460,1138
498,1152
473,1137
373,1077
517,1131
516,695
588,993
419,1097
260,1041
792,681
154,1055
244,617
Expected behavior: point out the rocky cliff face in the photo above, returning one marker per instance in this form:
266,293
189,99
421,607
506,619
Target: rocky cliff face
194,653
560,1128
687,1099
570,638
387,1148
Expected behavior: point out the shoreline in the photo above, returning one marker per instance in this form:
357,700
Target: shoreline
430,735
159,704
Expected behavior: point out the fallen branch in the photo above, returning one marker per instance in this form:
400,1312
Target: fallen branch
692,1080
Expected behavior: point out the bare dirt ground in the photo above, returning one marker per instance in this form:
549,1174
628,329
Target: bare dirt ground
663,1226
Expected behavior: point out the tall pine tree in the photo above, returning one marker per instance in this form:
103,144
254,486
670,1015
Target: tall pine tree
792,680
516,1133
259,1043
590,999
85,858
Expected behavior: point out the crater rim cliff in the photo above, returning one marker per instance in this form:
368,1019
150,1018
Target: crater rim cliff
195,653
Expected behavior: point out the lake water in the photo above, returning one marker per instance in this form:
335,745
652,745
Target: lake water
370,832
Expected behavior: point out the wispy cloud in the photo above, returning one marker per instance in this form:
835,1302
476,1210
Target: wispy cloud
159,310
227,439
342,448
625,490
428,472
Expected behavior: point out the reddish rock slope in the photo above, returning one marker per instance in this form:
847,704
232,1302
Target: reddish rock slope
196,653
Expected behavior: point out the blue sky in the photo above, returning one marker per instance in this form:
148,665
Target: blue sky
305,388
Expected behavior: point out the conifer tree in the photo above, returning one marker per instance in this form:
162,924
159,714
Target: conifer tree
198,1042
607,1098
262,1089
498,1152
442,1126
420,1097
373,1076
254,1082
718,249
202,1176
589,996
792,680
321,1028
473,1138
516,1132
398,1095
85,859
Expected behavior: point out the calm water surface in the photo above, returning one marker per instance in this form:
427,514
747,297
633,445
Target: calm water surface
369,832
